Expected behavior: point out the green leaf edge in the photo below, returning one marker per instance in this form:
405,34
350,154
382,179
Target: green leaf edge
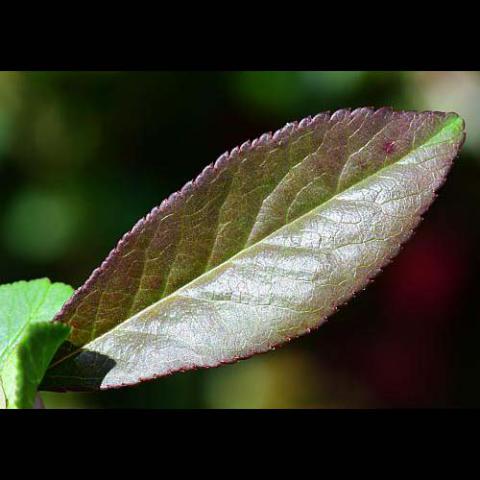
18,380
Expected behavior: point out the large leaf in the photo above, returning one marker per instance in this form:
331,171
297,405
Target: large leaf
261,247
28,337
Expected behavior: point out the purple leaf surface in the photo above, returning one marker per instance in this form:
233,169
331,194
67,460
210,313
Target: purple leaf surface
261,247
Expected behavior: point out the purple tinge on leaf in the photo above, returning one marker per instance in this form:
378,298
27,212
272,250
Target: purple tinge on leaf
261,247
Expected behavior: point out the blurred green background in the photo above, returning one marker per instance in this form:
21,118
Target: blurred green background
84,155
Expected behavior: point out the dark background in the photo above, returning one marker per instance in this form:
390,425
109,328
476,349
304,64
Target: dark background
84,155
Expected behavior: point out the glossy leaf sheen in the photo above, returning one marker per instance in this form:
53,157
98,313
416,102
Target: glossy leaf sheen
28,337
261,247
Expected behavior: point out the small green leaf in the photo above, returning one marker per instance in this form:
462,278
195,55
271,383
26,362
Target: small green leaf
28,338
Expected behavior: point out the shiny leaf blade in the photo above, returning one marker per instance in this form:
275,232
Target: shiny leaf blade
260,248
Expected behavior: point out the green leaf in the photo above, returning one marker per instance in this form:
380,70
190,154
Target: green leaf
25,368
28,338
262,247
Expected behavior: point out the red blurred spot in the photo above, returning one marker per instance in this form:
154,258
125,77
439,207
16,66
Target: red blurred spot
426,277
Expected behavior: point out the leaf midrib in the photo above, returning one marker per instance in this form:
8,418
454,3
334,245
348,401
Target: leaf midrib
427,142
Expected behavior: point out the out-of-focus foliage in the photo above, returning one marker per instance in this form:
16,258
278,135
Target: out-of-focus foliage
84,155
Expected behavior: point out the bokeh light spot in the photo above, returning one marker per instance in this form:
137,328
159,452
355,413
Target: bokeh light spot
39,225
